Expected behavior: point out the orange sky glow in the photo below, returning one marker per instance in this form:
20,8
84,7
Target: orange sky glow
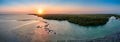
49,9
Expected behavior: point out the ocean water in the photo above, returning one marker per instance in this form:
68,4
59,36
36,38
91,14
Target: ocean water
69,31
22,28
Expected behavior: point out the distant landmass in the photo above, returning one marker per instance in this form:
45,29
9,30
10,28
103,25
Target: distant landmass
80,19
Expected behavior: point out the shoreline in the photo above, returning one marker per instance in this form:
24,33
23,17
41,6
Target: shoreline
109,38
80,19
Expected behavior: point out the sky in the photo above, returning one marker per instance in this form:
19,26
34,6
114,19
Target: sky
60,6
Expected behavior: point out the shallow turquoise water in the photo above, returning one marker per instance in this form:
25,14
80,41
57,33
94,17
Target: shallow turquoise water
69,31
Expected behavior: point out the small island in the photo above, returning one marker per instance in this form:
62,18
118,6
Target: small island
80,19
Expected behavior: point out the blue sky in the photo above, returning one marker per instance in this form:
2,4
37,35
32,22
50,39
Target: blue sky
60,6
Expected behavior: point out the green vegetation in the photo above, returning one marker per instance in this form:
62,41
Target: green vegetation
81,19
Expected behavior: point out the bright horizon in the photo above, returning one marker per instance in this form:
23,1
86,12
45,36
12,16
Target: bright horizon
60,6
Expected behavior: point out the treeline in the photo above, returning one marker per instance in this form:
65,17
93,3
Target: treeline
81,19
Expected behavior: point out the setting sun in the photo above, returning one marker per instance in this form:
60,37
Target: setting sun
40,11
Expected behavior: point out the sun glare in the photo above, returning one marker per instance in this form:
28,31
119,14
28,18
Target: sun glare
40,11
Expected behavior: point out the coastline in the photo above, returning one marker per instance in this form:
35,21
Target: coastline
109,38
80,19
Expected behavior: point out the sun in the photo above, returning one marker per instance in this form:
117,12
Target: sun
40,11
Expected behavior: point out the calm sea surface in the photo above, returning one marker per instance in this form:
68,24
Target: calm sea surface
19,28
